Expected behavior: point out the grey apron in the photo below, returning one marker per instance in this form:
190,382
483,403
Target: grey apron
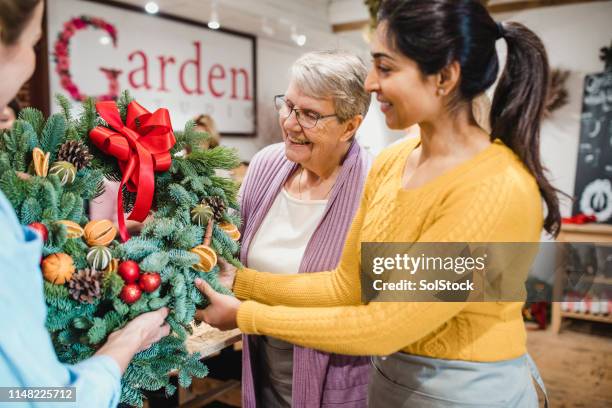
406,381
276,372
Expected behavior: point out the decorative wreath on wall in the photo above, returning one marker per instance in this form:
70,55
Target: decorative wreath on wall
61,56
557,95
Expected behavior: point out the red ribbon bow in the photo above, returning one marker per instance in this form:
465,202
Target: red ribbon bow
142,147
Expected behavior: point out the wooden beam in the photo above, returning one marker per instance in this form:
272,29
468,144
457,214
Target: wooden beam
494,8
351,26
531,4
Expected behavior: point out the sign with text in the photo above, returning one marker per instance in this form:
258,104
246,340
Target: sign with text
98,50
593,187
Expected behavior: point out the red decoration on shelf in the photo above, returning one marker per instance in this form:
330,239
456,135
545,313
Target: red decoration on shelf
130,293
149,282
40,229
579,219
129,271
538,311
142,147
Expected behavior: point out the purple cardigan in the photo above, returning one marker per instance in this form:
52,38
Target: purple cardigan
319,379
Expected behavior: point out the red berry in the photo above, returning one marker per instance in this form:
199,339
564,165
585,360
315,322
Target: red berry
129,271
148,282
40,229
130,293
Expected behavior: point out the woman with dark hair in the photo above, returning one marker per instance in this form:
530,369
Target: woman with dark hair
27,358
454,183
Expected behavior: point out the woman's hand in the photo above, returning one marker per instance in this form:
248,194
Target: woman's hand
134,227
227,273
149,328
138,335
222,311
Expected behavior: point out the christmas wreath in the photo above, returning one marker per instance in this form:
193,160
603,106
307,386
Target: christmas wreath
94,284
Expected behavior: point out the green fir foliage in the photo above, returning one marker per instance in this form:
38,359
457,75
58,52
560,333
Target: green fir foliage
164,245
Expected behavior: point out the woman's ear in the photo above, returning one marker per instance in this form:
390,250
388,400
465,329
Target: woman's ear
350,127
447,79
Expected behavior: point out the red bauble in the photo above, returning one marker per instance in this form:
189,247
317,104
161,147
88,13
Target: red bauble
130,293
129,271
148,282
40,229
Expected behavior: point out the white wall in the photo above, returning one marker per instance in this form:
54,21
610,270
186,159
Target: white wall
273,62
347,11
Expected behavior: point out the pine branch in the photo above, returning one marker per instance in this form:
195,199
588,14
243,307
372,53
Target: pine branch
53,135
87,120
34,117
65,105
122,103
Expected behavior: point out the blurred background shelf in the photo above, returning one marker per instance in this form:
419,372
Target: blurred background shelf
601,234
586,316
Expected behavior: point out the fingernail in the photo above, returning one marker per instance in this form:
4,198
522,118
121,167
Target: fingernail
199,281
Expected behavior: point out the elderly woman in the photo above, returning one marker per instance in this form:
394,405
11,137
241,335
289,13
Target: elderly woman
298,199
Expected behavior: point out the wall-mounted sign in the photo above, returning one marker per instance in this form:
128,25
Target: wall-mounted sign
593,190
99,49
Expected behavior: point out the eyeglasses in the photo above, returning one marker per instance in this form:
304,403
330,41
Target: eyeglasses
305,117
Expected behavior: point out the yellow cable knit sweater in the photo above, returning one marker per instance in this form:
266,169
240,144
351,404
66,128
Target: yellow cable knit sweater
490,198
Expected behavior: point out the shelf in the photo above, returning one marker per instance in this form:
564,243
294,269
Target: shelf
602,280
592,228
599,234
587,316
207,340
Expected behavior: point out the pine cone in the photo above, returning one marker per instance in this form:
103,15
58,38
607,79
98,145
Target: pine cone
75,152
218,206
85,285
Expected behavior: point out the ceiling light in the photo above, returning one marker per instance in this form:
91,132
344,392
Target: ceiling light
266,27
300,40
151,7
213,22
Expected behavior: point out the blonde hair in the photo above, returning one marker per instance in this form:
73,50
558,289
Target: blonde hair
208,124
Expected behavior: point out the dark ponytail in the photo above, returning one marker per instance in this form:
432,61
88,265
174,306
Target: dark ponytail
434,33
518,105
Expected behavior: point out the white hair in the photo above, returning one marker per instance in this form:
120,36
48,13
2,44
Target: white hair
335,74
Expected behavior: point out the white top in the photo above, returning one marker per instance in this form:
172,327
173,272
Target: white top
280,242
